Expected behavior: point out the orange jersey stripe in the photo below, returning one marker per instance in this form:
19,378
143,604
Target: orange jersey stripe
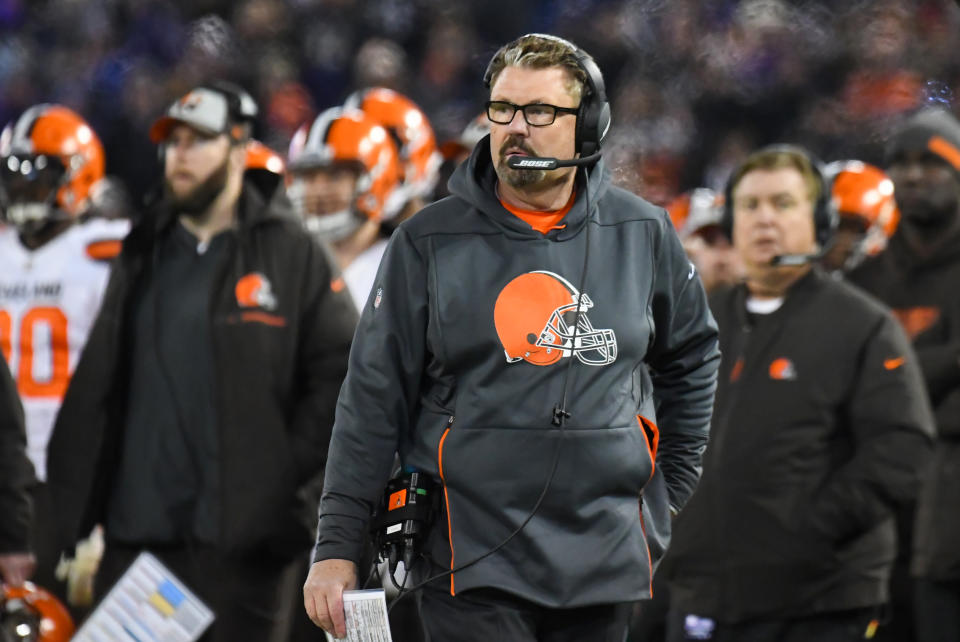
263,317
104,250
893,364
948,152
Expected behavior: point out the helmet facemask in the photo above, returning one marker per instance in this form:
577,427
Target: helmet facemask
330,226
592,347
32,186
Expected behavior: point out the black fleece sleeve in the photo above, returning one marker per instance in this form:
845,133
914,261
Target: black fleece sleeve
684,359
376,402
16,471
940,365
327,324
892,426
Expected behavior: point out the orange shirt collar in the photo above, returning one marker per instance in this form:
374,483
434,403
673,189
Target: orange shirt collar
542,222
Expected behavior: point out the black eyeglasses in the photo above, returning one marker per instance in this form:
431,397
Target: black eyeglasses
536,114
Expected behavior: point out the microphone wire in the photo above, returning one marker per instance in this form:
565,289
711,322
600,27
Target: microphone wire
560,415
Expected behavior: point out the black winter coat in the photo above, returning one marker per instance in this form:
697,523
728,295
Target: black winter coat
820,429
278,365
16,471
923,295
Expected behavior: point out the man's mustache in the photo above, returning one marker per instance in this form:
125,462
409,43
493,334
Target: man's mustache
516,143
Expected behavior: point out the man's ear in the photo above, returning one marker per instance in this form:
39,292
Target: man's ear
238,157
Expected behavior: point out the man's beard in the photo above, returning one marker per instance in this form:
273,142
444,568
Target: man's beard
195,203
929,215
518,178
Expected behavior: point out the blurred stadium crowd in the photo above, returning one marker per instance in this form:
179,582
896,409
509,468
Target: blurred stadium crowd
694,88
693,85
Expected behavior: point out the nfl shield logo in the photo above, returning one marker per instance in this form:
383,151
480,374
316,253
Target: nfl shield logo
376,301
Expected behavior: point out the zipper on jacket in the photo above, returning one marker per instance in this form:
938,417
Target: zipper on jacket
446,498
646,546
733,390
231,261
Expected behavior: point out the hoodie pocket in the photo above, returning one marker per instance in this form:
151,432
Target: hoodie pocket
652,435
494,477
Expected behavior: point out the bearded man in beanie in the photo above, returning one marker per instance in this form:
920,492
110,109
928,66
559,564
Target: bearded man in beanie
917,276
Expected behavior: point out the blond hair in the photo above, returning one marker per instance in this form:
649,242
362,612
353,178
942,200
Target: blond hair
780,158
540,51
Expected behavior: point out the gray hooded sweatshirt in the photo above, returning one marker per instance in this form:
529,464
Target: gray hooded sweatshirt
461,355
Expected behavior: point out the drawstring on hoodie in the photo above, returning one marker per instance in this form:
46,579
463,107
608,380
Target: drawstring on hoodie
560,415
560,412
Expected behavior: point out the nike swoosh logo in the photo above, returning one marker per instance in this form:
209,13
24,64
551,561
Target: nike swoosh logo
893,364
693,270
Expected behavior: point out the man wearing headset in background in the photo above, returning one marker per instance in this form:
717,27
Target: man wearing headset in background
517,334
197,423
821,428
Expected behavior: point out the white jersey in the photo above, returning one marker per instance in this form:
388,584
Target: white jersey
361,273
49,298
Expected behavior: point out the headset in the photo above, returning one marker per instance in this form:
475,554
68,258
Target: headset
593,121
593,114
824,215
241,107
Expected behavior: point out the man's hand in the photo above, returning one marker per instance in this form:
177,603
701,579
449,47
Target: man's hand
16,568
323,594
78,572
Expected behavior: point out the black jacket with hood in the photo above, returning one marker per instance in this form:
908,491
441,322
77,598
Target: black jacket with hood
923,295
461,355
16,471
278,369
820,430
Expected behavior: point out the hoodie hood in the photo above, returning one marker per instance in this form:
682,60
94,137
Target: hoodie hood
475,182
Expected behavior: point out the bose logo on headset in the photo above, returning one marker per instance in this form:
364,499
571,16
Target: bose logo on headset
535,163
593,114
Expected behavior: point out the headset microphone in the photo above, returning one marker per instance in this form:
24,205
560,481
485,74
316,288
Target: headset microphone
546,162
786,260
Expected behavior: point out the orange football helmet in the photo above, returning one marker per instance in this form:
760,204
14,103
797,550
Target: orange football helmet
679,211
30,613
417,144
864,192
261,157
337,138
472,134
264,167
51,161
534,316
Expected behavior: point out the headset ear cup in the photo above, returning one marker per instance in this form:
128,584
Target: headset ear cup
726,219
581,144
593,121
824,217
603,123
